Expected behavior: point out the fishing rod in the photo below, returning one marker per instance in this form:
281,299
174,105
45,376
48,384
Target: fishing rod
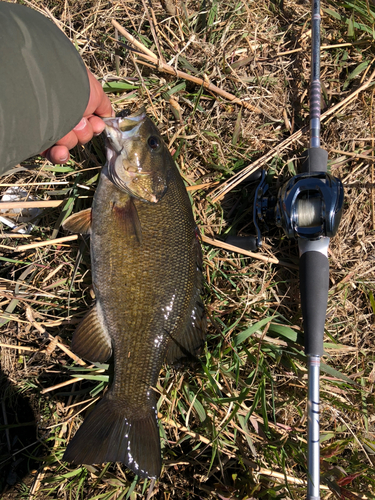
314,265
308,207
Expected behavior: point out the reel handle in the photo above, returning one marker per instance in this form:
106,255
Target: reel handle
248,243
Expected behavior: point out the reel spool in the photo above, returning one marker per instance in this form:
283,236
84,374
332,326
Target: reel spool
309,212
310,206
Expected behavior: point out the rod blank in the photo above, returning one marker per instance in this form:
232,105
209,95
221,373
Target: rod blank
313,411
315,91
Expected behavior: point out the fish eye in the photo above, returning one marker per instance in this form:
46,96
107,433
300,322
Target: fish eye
153,142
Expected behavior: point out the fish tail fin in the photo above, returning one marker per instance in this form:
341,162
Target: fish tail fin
114,433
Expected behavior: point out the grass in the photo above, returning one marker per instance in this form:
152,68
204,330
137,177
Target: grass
234,425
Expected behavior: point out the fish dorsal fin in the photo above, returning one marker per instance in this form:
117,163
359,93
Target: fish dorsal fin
187,342
127,218
79,222
91,340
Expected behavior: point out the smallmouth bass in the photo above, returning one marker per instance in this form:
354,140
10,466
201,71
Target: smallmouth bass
147,277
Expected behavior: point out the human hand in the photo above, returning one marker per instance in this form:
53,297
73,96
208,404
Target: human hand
91,124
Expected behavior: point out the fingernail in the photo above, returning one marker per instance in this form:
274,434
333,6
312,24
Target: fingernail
81,125
63,158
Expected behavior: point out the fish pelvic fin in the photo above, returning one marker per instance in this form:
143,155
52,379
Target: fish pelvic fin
91,340
79,222
111,433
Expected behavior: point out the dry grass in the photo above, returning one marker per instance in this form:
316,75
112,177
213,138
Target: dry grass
234,425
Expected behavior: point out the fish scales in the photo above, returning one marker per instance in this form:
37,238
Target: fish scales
146,269
144,277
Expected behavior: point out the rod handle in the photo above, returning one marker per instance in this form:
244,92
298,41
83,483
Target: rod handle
314,281
314,160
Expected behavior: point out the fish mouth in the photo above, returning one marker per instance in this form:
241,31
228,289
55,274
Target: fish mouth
126,172
118,130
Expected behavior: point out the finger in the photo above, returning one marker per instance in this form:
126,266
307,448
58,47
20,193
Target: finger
99,102
69,140
57,154
97,124
83,131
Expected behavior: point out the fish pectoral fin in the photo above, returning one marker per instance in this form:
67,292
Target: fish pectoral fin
79,222
128,219
91,340
114,432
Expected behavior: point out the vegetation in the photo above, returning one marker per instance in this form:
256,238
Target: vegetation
234,424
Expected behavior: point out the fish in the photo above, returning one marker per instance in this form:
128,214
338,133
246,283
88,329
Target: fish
146,264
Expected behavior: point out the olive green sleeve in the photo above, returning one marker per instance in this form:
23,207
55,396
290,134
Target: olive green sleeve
44,87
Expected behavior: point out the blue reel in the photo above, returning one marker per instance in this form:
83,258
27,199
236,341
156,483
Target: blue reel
310,206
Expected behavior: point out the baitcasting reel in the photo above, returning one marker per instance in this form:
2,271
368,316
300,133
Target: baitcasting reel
307,206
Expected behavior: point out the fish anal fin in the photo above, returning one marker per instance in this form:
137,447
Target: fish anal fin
91,340
127,218
112,432
79,222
